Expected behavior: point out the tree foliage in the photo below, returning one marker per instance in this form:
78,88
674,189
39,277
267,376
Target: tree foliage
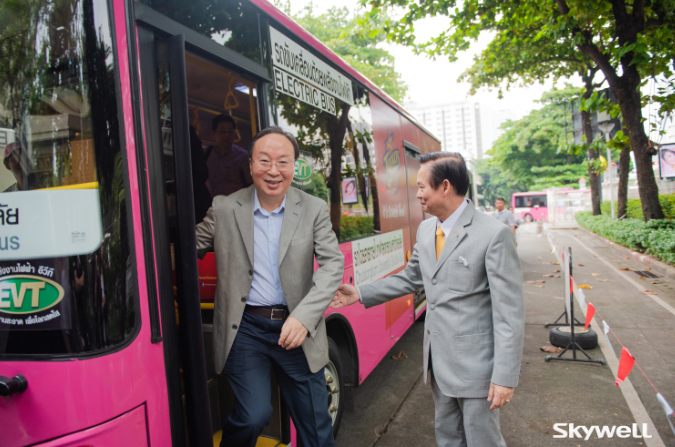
628,41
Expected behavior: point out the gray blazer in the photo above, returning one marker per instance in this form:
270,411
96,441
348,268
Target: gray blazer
306,231
475,309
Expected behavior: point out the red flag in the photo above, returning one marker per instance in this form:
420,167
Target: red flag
626,363
590,311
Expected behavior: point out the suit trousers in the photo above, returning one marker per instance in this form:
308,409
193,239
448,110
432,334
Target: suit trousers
463,422
255,350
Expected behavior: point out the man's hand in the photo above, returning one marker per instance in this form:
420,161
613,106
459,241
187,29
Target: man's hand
499,395
293,333
346,295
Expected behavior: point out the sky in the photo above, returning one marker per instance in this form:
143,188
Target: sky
432,82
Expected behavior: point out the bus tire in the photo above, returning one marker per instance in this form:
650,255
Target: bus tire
561,337
528,218
334,384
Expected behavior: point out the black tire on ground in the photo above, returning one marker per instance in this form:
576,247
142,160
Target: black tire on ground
561,337
334,356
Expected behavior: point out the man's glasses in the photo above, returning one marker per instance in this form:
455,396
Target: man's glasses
266,165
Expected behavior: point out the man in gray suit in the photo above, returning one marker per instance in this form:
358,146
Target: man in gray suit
470,270
270,302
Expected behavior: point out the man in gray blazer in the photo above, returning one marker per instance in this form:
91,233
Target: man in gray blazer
473,338
269,302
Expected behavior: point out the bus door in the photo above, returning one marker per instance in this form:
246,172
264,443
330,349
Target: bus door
416,214
185,89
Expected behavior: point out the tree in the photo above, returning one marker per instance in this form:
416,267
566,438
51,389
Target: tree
538,140
495,182
626,41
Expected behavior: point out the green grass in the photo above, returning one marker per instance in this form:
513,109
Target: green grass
655,238
352,227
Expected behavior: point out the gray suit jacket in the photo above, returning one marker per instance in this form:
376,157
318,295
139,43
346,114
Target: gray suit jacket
475,312
306,231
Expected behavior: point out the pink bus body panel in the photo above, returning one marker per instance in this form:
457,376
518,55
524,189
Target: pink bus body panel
66,397
124,431
537,213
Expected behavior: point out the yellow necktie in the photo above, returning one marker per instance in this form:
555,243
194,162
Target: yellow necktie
440,242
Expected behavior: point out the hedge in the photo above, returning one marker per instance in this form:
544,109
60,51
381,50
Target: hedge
634,207
352,227
655,238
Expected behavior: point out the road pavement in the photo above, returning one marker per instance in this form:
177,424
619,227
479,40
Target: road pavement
394,408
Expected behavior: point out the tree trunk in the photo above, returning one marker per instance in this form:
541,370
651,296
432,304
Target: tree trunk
628,96
624,167
336,129
593,178
357,163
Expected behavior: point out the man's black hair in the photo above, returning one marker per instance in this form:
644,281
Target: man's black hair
500,198
274,130
222,118
448,166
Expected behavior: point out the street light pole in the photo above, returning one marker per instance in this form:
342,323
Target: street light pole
606,128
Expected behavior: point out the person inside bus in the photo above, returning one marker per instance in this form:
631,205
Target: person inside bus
200,175
16,161
227,163
469,267
270,302
503,215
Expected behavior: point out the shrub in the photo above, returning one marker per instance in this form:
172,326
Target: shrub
655,238
352,227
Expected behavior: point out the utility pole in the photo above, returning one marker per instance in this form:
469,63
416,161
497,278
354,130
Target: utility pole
606,128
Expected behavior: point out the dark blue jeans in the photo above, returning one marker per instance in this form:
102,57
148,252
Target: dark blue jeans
254,352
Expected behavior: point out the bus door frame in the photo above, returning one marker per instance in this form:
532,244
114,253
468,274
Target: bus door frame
153,28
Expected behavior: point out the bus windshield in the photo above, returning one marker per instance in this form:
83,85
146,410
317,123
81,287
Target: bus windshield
65,267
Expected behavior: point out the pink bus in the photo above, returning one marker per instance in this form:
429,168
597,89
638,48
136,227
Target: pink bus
105,113
529,206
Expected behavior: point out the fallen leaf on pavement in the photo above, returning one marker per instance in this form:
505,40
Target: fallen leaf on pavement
541,287
626,257
557,276
595,274
585,286
548,276
556,271
602,280
624,268
581,265
614,260
400,356
529,282
642,277
655,282
648,268
551,348
541,281
555,263
649,292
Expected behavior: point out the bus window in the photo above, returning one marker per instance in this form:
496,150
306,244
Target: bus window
65,267
233,24
337,162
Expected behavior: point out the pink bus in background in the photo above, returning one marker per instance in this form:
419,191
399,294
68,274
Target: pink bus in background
105,312
529,206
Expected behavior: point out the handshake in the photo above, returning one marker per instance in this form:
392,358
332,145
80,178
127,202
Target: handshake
346,295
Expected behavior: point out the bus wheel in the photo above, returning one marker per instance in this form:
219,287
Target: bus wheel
528,218
334,384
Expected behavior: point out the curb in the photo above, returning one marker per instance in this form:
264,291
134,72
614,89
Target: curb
655,264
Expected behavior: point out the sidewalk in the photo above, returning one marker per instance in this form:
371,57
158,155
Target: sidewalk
549,393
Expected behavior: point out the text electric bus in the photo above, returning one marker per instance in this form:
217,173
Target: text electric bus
105,311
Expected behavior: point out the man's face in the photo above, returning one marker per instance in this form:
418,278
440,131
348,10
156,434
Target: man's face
275,148
225,135
499,204
433,200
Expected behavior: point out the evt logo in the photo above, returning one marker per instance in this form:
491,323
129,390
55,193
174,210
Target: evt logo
392,164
